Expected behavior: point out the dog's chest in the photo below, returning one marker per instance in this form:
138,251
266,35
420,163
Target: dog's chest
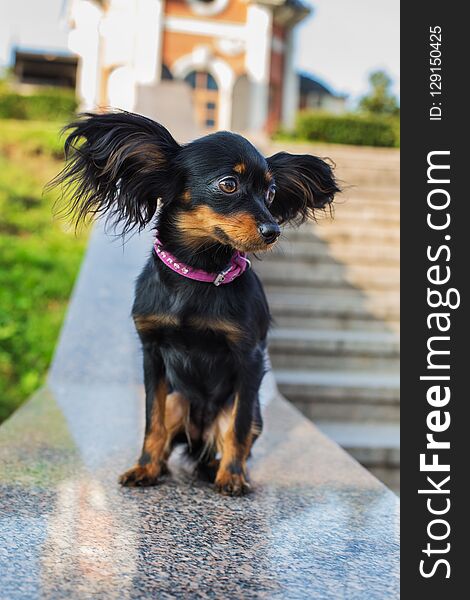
167,327
200,353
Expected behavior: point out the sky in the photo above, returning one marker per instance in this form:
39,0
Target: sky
31,24
344,40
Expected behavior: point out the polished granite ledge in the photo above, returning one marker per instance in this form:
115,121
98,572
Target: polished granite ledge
316,524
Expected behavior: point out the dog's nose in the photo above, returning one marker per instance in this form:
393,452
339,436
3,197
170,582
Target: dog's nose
270,232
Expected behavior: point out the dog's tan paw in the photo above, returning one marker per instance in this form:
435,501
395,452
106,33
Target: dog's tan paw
231,484
140,477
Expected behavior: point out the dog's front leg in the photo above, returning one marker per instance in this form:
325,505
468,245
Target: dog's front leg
151,462
231,478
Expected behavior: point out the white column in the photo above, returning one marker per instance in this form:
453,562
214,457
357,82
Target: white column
290,84
148,41
84,40
258,61
225,78
122,89
225,107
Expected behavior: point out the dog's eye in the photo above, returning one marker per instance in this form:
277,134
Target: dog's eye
229,185
270,194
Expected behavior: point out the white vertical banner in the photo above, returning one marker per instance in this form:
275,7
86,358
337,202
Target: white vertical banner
84,40
291,83
258,62
148,40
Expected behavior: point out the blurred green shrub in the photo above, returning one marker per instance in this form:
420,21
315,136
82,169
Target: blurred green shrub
48,104
351,128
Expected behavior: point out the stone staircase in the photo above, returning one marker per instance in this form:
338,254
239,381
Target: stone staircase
333,288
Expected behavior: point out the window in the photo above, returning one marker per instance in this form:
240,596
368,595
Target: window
205,98
201,80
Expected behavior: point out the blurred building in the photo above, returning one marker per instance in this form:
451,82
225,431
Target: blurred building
237,56
314,95
231,62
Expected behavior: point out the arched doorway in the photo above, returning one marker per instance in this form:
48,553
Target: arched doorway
205,98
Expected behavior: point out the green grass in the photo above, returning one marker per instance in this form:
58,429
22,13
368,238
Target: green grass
30,138
39,259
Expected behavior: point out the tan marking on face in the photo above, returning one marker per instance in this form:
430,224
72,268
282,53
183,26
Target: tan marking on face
240,168
151,322
268,177
186,196
231,330
200,225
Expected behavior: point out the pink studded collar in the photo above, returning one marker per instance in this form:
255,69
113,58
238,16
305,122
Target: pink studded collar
236,267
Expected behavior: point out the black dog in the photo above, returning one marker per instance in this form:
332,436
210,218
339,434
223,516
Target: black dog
201,315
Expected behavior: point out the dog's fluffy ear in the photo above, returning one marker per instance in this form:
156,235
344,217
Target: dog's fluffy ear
117,165
303,183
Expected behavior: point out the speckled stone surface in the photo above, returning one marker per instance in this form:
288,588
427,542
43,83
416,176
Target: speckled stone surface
316,525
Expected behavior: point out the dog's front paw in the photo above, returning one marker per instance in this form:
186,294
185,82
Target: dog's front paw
140,476
231,484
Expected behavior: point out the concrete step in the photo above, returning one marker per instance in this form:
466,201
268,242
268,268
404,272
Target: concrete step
360,412
356,212
356,216
380,174
372,444
342,395
308,274
359,199
370,195
353,386
283,358
293,348
352,253
375,445
347,323
367,169
328,309
341,231
359,157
